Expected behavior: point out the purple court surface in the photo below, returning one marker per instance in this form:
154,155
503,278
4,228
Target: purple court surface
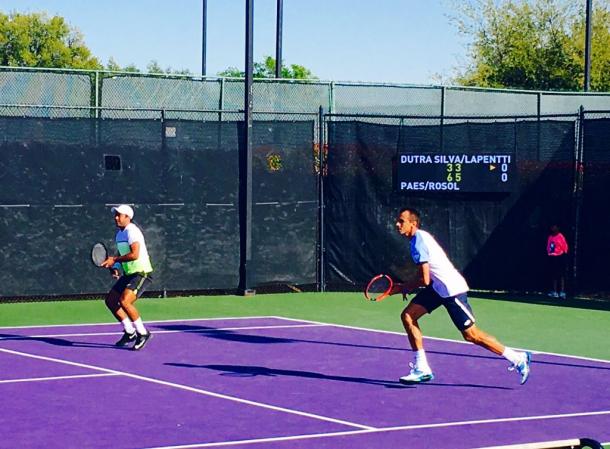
276,383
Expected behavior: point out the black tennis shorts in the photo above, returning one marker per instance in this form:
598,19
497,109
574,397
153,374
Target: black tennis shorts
137,282
457,306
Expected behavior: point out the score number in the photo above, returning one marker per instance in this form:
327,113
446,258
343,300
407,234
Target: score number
454,172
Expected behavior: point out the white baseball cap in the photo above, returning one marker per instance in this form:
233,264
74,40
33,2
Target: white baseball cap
123,209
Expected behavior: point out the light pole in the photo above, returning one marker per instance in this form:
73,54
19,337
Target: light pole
588,15
204,36
278,38
245,165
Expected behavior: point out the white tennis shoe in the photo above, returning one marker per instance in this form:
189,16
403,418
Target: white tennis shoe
417,375
523,367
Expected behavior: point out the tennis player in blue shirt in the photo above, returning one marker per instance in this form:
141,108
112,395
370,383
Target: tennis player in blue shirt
445,286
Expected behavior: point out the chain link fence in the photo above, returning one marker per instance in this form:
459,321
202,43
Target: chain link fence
40,89
322,152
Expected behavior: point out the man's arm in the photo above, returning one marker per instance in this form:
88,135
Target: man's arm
425,274
422,280
133,254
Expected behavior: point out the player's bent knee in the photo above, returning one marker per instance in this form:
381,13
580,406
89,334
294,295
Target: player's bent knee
471,336
127,298
408,319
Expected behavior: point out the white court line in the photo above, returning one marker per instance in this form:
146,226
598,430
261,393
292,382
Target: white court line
302,320
534,351
191,389
543,445
157,332
176,320
364,429
384,430
38,379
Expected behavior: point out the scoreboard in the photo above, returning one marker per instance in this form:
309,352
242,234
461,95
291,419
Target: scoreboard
455,172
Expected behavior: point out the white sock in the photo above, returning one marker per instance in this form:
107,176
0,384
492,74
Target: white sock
128,326
140,326
512,356
421,362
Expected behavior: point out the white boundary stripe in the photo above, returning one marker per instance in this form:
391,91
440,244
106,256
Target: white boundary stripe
541,445
303,320
39,379
191,389
175,320
345,326
365,429
384,429
157,332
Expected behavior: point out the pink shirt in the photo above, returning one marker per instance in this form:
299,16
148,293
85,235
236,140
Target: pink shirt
556,245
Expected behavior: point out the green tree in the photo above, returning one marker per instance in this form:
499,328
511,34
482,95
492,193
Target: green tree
532,44
600,48
113,66
36,40
154,67
266,69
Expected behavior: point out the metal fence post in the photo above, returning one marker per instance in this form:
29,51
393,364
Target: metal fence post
578,193
221,99
321,161
539,127
97,94
442,130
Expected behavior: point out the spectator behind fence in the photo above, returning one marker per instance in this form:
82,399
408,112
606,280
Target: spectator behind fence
557,255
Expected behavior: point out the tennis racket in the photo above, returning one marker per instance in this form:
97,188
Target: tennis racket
99,254
378,288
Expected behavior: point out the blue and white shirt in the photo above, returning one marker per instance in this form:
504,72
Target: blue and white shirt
446,280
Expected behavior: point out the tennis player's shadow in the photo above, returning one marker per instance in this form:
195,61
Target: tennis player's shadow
535,360
59,342
224,334
253,371
230,335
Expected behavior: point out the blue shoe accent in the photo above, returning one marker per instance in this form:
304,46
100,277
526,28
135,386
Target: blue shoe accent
524,367
416,376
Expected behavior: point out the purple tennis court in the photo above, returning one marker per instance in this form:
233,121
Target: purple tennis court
280,383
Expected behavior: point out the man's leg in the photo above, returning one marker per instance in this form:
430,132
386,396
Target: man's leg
475,335
520,360
113,302
420,370
410,316
562,287
463,318
128,299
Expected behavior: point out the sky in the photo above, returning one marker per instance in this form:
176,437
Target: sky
394,41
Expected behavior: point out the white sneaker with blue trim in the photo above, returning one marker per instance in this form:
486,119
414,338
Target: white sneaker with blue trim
417,375
523,367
